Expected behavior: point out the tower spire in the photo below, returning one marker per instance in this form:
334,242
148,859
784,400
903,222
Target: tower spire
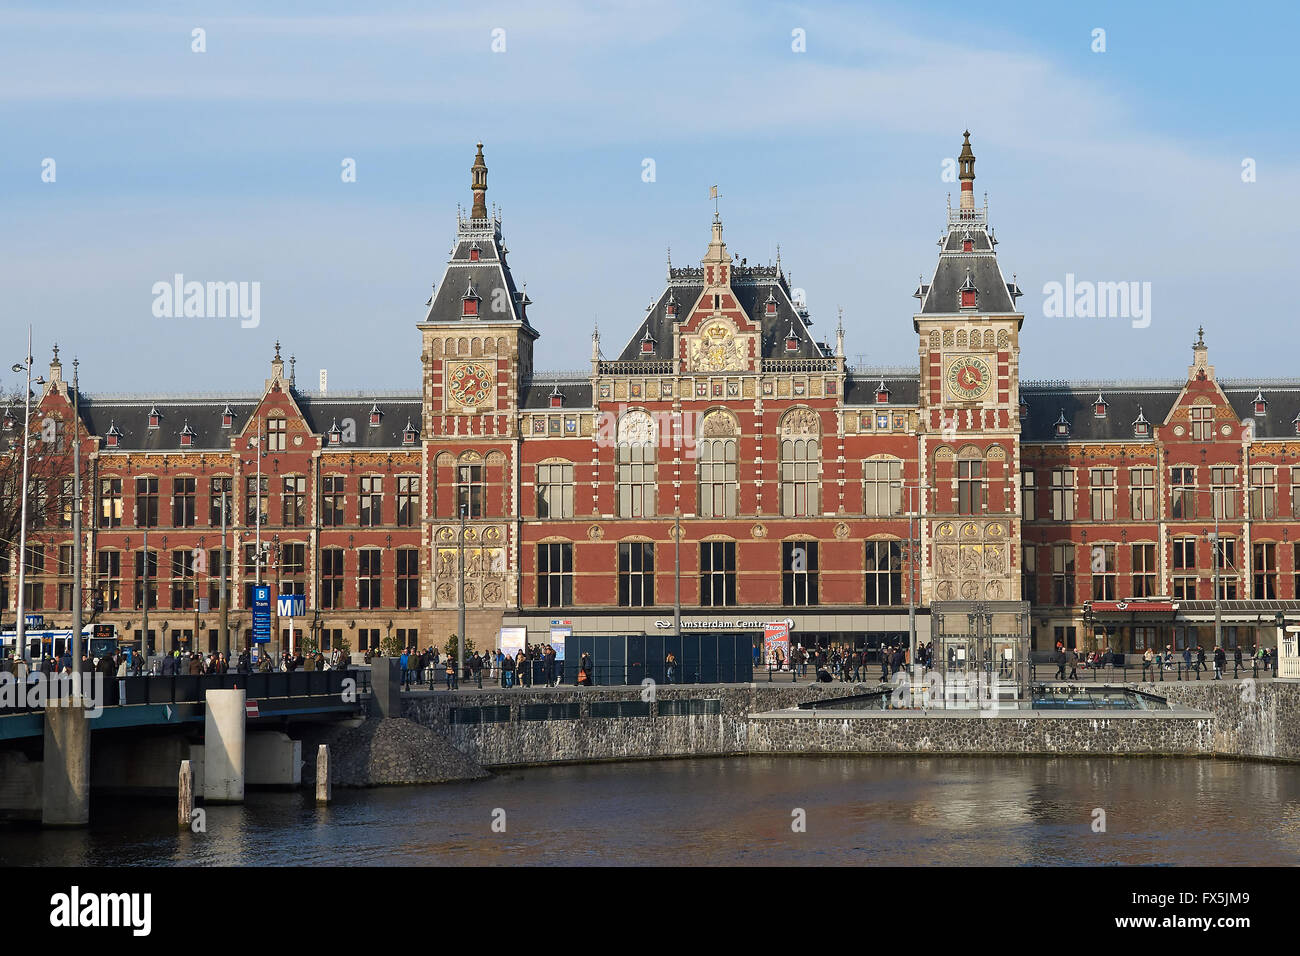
966,164
478,185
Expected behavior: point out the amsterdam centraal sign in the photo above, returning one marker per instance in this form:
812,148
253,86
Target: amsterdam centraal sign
740,624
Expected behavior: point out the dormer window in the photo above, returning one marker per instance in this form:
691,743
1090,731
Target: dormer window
375,416
1141,427
1099,407
10,419
647,343
1024,409
1062,427
154,417
187,436
1261,404
967,242
227,417
882,394
474,253
557,397
335,433
1295,424
671,308
967,292
470,301
792,339
770,304
112,436
408,433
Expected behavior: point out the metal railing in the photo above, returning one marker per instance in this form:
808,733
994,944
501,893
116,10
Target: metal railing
1140,670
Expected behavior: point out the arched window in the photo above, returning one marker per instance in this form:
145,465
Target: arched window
635,463
800,448
800,458
970,482
717,477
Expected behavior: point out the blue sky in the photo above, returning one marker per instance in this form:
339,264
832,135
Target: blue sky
225,165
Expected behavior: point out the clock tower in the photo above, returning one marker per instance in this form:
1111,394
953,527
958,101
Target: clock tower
968,331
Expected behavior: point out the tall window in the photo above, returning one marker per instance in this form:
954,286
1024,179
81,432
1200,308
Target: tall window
108,580
1144,570
1029,573
293,568
636,574
1028,495
717,478
469,490
275,434
182,580
331,578
555,491
800,460
370,565
183,503
1263,492
408,578
67,502
255,498
372,501
145,571
293,501
1295,495
146,502
1202,423
331,501
1101,493
34,590
1142,494
40,502
970,486
408,501
1182,493
636,479
717,573
218,488
1223,490
1184,565
884,567
1062,494
1264,571
252,568
1224,552
218,558
798,573
110,502
882,487
555,574
1104,576
1063,575
5,571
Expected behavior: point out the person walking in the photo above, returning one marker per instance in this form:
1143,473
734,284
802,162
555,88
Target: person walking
1061,659
1200,661
670,667
452,683
1220,661
1187,658
1147,660
1236,661
1074,664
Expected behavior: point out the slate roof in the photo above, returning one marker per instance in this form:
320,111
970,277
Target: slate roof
751,294
1046,403
577,394
860,389
487,276
204,417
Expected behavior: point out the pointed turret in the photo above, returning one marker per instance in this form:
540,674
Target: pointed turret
479,186
966,173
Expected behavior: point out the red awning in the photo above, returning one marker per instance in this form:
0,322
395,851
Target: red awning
1128,607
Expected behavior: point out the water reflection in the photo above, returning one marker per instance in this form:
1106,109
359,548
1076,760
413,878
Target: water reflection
891,810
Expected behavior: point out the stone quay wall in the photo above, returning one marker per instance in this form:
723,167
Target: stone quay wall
1230,719
520,742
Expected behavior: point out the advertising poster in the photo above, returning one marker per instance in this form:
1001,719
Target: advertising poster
776,635
512,640
560,631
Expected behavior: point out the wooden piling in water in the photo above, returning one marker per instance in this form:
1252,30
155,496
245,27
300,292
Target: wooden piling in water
324,788
185,796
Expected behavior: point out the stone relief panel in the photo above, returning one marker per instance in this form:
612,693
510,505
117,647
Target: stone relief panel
485,566
971,561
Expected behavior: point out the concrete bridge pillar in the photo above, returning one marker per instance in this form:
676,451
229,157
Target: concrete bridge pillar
224,747
65,801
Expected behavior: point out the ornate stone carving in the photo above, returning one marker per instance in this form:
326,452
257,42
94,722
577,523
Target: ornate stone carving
841,530
636,428
718,424
758,531
595,532
801,422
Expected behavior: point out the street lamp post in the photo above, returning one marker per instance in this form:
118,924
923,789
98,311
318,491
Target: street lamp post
20,625
460,600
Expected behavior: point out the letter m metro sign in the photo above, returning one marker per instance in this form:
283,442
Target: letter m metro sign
290,605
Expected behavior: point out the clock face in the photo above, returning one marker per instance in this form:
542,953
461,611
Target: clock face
969,378
472,384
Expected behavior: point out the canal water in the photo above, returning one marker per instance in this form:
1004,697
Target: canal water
856,811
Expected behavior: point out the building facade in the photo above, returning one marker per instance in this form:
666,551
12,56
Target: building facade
723,469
